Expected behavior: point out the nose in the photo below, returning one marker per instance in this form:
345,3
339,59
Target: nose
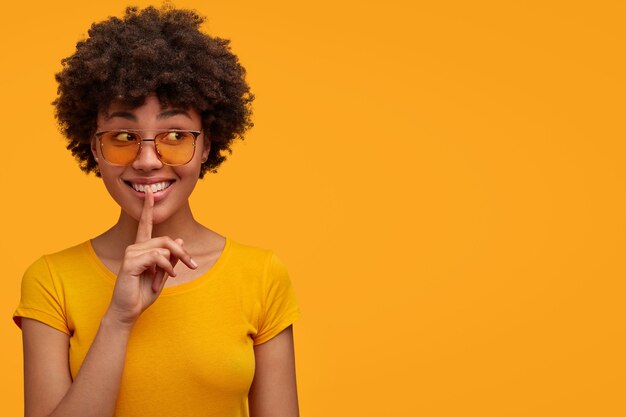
148,159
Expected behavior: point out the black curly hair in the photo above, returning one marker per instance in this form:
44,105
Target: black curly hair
153,51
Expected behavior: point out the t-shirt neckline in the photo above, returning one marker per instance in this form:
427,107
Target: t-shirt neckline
175,289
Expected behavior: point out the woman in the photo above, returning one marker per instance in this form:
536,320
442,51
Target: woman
159,315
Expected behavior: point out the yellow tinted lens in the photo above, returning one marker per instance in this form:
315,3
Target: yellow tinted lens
175,147
120,148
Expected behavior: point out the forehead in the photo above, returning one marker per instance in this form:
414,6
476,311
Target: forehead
132,105
148,108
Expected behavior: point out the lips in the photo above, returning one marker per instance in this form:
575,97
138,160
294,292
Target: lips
154,186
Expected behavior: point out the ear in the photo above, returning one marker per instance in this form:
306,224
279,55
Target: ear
94,148
205,150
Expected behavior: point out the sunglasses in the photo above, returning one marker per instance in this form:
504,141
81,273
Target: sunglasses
173,147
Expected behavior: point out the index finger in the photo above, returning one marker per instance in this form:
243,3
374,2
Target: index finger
144,230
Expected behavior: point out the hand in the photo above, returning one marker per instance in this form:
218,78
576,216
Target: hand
145,268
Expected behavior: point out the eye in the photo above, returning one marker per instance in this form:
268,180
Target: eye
174,136
124,137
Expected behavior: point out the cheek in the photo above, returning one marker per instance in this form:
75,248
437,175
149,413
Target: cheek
112,189
190,176
191,171
111,180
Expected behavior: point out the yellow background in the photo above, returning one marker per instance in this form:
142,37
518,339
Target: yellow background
444,180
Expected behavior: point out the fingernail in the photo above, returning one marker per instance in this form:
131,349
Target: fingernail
193,263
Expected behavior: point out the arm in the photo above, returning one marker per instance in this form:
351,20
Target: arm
273,392
46,369
48,387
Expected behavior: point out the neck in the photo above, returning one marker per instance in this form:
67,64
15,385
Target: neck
182,225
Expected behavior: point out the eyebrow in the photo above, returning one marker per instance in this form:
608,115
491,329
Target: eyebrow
131,116
173,112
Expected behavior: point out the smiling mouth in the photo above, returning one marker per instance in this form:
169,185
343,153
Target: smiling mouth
156,187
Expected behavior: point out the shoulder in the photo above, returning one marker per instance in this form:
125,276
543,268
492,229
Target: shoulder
47,270
259,264
247,250
247,256
66,256
43,288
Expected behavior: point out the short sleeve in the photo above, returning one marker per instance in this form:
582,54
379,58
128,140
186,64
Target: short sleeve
279,305
40,299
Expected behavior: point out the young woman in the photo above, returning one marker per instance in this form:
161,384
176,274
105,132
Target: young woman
159,315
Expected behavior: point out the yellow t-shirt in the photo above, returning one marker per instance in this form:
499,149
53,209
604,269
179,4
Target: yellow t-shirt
190,353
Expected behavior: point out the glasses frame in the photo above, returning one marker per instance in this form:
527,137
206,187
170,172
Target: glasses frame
195,133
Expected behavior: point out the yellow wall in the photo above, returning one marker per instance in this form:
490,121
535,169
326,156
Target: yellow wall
444,180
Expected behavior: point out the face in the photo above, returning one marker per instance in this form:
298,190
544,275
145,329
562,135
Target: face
175,183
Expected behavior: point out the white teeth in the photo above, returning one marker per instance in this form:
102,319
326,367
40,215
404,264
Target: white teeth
154,187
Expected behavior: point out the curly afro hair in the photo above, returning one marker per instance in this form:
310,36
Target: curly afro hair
153,51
